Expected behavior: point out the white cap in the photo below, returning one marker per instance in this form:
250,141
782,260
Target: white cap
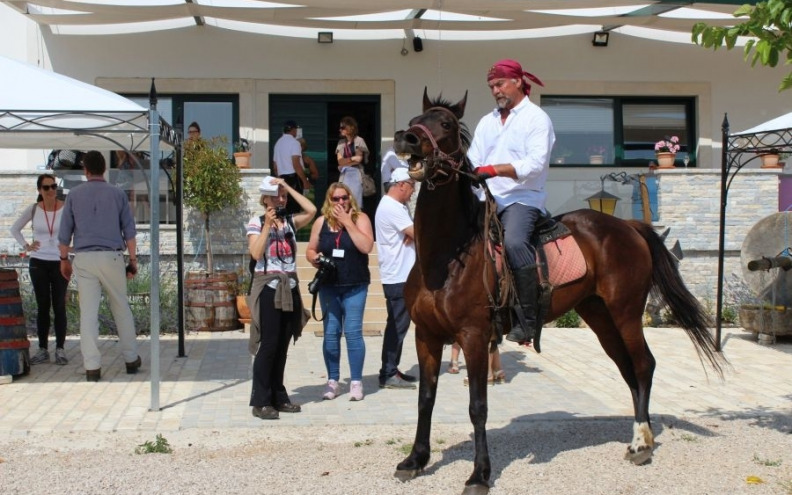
399,175
267,188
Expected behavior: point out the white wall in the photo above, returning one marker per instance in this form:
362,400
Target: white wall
207,59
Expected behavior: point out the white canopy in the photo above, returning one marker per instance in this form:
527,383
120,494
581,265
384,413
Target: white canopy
773,125
40,109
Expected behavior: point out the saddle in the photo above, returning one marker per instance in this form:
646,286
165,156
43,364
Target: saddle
559,262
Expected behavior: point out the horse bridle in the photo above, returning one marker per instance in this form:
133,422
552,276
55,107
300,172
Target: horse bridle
440,161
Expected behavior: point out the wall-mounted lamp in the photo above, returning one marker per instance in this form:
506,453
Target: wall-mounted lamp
604,202
600,38
325,37
417,44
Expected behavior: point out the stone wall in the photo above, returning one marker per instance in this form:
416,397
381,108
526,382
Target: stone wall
689,203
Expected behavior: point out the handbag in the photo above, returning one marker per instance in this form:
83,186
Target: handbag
369,186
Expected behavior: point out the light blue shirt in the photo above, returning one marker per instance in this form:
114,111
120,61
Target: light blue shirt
98,217
525,141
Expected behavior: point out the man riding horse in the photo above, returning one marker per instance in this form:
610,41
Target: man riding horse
511,152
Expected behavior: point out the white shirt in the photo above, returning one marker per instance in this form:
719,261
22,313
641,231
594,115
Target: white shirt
391,162
394,257
42,223
525,141
285,148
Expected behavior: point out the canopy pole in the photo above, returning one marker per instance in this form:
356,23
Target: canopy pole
154,200
722,228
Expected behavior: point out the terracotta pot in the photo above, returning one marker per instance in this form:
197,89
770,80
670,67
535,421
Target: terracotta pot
242,159
242,309
769,160
665,159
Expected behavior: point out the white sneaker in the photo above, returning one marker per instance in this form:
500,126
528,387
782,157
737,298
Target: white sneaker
356,390
60,357
331,392
42,356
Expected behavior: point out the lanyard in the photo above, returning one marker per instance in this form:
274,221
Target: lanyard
338,239
50,227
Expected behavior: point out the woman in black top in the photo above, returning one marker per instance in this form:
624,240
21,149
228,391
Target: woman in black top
343,235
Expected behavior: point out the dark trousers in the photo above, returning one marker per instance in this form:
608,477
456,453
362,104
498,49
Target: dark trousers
270,361
294,181
50,289
518,226
395,329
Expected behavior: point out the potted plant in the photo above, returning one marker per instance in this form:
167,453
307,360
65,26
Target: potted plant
560,155
597,154
770,158
666,150
242,153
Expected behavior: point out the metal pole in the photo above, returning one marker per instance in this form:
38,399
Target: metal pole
180,242
722,227
154,200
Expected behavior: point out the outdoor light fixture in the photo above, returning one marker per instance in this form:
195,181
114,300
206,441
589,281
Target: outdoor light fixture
603,202
600,38
417,44
325,37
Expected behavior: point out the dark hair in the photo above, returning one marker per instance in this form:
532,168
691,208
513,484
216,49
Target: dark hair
94,163
351,123
39,180
194,124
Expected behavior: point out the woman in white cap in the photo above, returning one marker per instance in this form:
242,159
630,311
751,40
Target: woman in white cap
277,314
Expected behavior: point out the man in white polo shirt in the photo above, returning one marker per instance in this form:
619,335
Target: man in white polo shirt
287,163
396,255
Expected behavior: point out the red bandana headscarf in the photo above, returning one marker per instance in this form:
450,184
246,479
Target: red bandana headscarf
511,69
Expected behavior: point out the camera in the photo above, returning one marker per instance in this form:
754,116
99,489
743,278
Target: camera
324,273
280,212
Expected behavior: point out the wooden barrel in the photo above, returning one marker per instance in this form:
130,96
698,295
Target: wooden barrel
210,304
14,344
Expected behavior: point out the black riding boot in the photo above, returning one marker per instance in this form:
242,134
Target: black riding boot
527,284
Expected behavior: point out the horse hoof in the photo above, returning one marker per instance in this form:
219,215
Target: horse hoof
475,490
641,457
405,475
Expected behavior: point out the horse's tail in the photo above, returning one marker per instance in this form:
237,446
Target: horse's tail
684,306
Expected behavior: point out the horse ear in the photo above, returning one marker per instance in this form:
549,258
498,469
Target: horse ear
427,103
459,108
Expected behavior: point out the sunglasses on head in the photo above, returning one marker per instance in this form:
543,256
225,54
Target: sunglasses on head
49,187
336,199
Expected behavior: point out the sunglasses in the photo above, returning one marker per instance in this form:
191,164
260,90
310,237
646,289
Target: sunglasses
52,187
341,128
336,199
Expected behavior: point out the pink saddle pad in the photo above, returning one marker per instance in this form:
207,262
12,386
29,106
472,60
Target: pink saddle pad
565,261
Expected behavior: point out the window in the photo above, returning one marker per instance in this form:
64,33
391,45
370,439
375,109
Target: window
618,130
217,115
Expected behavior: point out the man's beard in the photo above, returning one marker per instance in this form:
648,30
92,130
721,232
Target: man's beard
504,103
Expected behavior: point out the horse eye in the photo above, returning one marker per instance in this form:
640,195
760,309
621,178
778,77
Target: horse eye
446,125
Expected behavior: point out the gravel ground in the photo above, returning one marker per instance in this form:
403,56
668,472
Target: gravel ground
697,455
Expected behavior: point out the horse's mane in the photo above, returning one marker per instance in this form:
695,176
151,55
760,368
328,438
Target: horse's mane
472,207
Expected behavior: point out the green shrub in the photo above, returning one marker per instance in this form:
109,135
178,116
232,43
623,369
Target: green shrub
570,319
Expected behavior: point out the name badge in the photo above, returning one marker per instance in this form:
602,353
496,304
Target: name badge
338,253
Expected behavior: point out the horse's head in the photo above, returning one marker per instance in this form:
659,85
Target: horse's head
435,140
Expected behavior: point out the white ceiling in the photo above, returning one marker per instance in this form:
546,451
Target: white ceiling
384,19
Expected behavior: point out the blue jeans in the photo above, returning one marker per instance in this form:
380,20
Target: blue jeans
518,226
342,309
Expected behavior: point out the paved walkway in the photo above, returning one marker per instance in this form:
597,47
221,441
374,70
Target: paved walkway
210,387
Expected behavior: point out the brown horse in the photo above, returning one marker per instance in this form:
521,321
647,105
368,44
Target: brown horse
448,291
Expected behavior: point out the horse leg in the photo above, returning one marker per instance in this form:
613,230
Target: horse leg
430,354
625,344
476,351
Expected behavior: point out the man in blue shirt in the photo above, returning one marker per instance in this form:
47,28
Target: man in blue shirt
98,221
511,151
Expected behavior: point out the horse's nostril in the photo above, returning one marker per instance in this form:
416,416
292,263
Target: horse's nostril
411,138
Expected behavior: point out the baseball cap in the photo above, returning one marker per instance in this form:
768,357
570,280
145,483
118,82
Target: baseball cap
400,175
267,188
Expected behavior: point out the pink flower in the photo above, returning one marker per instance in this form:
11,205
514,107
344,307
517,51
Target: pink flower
668,145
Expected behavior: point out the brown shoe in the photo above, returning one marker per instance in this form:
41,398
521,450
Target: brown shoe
266,412
93,375
288,407
133,367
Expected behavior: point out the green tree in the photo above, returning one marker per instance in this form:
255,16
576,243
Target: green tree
769,26
211,183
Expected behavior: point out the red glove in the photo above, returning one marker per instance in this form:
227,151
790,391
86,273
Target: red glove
486,172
